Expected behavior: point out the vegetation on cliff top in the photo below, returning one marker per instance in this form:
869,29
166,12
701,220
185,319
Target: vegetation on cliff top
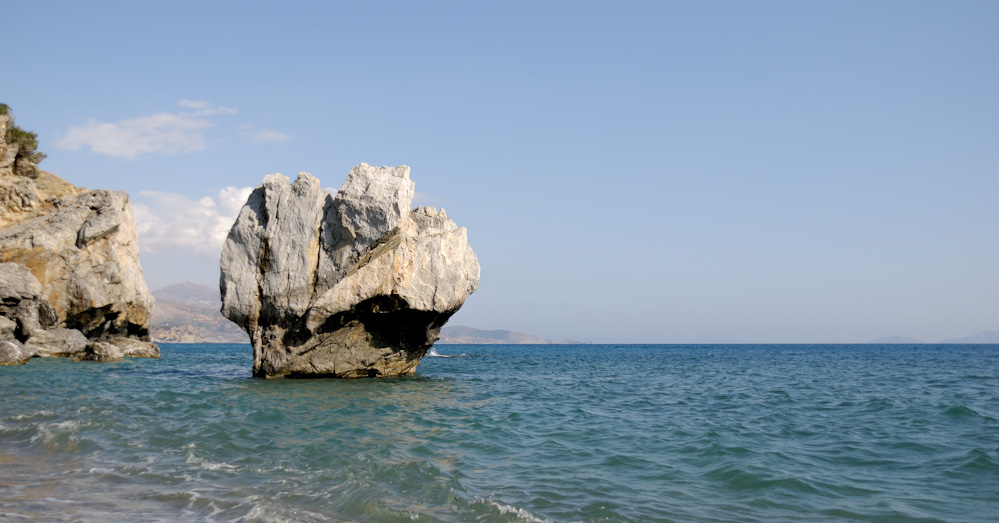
27,145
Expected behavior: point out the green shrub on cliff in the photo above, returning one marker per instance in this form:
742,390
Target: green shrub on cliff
28,156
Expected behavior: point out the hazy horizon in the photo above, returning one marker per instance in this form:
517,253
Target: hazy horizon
191,293
767,172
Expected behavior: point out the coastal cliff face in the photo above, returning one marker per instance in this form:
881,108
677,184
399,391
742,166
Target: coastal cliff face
82,247
354,285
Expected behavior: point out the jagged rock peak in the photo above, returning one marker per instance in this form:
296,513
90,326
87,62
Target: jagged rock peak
352,285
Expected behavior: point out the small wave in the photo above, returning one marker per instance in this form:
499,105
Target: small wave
274,513
31,416
206,464
979,460
876,404
517,512
434,354
63,434
964,411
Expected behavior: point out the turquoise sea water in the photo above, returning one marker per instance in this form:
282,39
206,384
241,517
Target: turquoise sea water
512,433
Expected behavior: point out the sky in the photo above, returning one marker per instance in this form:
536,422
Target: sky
628,172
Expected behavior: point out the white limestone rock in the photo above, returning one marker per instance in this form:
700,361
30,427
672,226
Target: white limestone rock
7,328
348,286
13,352
369,204
102,351
57,342
18,284
134,348
85,255
22,303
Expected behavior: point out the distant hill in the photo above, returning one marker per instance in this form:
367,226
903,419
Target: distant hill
190,293
896,339
981,337
467,335
189,313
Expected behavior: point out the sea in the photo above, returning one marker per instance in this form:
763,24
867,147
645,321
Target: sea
522,433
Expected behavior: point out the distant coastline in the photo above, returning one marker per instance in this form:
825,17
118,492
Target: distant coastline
987,337
462,335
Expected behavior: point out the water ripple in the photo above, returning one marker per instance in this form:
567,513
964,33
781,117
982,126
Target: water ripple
521,433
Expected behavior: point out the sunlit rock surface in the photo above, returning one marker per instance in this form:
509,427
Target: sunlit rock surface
354,285
82,247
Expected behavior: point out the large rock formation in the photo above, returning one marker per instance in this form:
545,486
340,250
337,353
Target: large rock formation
82,247
354,285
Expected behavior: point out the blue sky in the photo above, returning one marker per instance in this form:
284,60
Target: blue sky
627,171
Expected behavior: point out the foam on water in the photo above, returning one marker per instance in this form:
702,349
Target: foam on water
432,353
511,433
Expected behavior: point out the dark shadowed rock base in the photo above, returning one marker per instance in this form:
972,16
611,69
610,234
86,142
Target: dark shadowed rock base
377,338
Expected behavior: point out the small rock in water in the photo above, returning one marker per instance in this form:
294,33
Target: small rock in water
102,351
13,352
58,342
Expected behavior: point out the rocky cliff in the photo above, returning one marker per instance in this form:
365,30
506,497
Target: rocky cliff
354,285
82,247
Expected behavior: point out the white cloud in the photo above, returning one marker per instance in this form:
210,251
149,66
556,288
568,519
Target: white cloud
159,133
267,136
167,133
170,222
203,108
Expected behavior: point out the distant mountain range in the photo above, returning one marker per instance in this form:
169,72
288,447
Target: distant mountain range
458,334
897,339
189,313
981,337
190,293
